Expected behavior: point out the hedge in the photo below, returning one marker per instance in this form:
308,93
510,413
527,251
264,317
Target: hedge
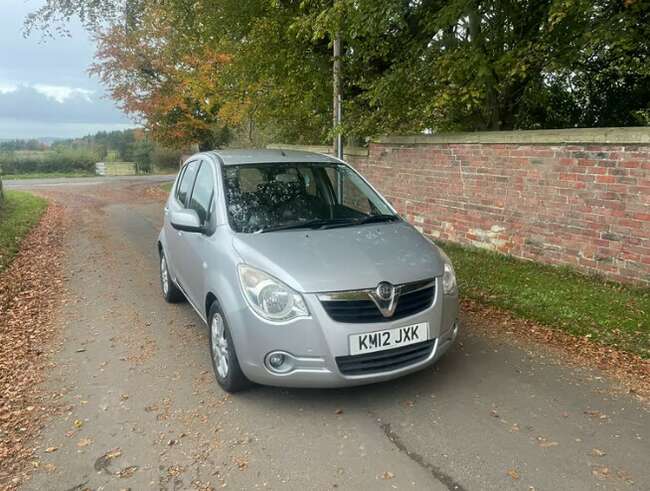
47,161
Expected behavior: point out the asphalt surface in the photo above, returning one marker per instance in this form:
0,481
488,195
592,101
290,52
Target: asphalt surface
54,182
143,410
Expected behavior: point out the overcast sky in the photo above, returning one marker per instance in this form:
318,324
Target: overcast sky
45,90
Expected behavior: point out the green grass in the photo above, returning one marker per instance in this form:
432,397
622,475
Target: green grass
18,214
167,187
606,312
45,175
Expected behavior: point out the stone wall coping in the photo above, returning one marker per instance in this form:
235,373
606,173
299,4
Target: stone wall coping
325,149
631,135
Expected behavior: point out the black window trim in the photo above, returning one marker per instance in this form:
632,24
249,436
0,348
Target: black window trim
189,193
202,162
181,174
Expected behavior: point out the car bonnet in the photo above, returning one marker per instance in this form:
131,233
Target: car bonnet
347,258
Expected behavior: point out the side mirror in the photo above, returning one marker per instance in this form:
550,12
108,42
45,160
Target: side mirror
186,221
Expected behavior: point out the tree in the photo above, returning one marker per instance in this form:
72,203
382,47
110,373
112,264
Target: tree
171,84
141,152
195,69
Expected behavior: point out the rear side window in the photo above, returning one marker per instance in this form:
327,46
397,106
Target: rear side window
203,192
187,179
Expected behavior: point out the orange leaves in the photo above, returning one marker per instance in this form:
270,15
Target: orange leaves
169,80
30,289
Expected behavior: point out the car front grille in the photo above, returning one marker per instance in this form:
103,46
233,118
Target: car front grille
364,310
384,361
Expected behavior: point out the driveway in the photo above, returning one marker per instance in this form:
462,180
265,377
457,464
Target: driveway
142,409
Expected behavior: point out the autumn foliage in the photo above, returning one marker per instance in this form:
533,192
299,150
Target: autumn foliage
173,88
195,70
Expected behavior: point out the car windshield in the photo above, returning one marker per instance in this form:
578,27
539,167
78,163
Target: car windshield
269,197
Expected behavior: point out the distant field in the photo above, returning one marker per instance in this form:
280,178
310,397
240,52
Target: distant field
30,154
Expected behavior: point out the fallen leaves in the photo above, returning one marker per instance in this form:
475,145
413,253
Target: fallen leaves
513,474
387,475
630,370
30,289
113,454
596,452
594,414
601,472
548,444
84,442
102,463
241,463
127,471
544,442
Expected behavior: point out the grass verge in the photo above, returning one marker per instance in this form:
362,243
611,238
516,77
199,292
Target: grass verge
46,175
609,313
18,214
167,187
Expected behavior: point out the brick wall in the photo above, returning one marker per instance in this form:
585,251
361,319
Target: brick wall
571,197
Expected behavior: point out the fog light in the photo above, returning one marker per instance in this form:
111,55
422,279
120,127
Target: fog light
276,360
279,362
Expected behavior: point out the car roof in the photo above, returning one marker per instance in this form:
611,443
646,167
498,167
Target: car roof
268,156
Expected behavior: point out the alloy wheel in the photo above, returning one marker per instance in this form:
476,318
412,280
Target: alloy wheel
220,346
164,275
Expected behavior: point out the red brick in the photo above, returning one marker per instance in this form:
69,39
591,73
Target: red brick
592,200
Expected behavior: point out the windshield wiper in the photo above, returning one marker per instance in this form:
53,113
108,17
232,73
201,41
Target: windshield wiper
376,219
327,223
315,223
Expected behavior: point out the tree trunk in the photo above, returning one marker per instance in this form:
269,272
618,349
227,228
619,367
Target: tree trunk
491,113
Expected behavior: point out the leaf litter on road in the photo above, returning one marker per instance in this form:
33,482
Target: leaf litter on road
31,289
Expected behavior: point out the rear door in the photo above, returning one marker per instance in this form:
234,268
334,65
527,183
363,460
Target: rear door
175,238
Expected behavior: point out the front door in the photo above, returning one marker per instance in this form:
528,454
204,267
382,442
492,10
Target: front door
176,239
198,246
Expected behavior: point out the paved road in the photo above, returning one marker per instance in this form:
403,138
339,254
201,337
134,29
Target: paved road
81,181
145,413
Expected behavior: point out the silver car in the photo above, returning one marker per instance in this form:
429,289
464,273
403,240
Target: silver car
304,274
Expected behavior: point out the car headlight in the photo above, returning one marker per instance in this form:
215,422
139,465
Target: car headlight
270,298
449,286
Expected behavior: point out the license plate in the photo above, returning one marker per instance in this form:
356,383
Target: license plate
369,342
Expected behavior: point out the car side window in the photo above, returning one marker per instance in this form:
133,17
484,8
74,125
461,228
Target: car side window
203,192
187,180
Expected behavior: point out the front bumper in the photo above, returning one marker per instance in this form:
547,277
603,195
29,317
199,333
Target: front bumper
316,342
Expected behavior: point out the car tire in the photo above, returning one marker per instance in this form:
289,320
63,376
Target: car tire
170,291
223,355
